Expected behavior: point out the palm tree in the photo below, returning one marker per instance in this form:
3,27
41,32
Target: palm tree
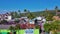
25,11
56,9
19,13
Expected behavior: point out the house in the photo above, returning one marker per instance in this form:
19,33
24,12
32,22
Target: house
31,26
39,20
25,26
56,18
5,17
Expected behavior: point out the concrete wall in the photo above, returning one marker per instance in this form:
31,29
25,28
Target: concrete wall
5,26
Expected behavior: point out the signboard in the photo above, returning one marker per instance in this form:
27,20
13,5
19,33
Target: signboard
29,31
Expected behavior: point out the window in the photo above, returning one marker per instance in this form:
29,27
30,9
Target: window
6,17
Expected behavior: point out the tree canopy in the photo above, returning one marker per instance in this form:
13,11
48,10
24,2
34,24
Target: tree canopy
55,25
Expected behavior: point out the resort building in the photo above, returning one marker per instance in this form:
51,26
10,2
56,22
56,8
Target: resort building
5,17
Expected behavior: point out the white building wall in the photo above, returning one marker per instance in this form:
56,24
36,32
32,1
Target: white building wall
9,18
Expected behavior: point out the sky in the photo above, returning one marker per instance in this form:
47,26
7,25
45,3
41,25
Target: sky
32,5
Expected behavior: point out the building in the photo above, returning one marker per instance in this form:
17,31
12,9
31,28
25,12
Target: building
58,13
57,16
39,20
5,17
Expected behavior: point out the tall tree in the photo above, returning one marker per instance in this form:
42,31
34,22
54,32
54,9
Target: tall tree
11,28
17,21
49,17
47,27
25,11
19,13
17,27
31,15
15,14
56,9
53,26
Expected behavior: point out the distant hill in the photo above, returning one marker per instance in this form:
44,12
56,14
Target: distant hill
40,13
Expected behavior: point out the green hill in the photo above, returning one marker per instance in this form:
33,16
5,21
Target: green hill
41,13
37,13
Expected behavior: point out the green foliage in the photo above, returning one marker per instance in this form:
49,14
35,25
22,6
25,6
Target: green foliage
25,10
11,28
55,25
49,17
56,7
37,13
15,15
17,21
19,13
8,33
3,22
31,16
37,27
17,27
47,27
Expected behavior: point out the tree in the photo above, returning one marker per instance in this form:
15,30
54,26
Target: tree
4,22
31,16
19,13
11,28
53,26
17,27
47,27
37,27
8,33
17,21
56,9
25,10
15,15
49,17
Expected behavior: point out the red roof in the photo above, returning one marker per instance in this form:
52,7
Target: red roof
31,26
24,26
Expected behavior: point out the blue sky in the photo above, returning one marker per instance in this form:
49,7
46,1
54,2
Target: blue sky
32,5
